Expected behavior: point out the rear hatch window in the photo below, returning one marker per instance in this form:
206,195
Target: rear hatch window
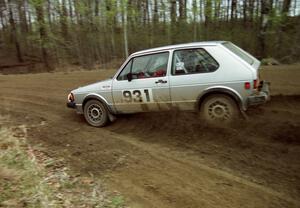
239,52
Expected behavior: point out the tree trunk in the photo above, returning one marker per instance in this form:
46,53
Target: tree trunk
233,10
166,28
2,20
70,10
227,10
173,11
49,16
251,10
286,7
29,19
217,9
258,9
208,12
149,26
43,33
264,23
110,23
124,22
295,7
195,10
13,32
245,7
155,13
201,14
63,20
282,27
77,13
182,10
23,26
22,16
96,8
145,12
163,7
173,21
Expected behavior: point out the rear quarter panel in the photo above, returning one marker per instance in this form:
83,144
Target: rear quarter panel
231,74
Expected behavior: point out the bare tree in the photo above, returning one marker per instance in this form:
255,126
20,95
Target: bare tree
173,21
286,7
39,7
251,10
2,16
264,23
97,31
208,12
13,33
182,10
217,8
195,11
233,9
124,22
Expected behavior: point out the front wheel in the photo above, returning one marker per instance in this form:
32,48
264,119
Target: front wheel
95,113
219,109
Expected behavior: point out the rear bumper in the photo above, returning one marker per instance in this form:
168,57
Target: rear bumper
262,95
71,104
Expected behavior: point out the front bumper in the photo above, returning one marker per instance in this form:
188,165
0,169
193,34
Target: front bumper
262,95
71,104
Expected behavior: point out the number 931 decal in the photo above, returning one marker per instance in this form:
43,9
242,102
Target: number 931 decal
137,96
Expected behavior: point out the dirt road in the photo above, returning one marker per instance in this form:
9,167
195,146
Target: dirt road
169,159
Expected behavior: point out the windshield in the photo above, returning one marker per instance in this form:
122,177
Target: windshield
239,52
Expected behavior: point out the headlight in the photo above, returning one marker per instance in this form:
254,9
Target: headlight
71,97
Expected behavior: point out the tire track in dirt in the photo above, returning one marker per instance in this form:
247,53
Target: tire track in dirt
167,160
196,171
149,172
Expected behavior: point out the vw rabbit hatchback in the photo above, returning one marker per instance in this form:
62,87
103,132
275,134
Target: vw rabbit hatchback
217,79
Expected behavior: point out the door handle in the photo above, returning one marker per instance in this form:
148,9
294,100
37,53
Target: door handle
161,81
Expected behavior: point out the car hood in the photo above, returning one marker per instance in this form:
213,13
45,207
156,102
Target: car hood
104,85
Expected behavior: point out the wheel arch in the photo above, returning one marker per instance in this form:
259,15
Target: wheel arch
219,90
99,98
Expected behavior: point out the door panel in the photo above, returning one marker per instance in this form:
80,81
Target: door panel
141,95
149,88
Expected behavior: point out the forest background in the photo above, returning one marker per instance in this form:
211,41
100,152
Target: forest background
89,33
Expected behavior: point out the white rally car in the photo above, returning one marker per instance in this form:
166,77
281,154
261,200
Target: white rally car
217,79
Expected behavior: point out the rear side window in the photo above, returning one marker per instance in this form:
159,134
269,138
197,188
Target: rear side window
193,61
237,51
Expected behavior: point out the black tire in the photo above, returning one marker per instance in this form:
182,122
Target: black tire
95,113
218,109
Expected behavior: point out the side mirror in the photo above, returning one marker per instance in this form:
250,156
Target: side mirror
129,77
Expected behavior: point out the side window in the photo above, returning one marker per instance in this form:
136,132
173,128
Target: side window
191,61
153,65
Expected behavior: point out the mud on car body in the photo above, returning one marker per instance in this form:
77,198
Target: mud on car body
217,79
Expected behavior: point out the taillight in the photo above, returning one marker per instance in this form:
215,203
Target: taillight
247,85
255,82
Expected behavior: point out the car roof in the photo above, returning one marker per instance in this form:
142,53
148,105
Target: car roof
170,47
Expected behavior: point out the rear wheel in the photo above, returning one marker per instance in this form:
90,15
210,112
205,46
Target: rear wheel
219,109
95,113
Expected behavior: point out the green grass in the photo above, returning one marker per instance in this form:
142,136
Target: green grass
22,178
117,202
29,178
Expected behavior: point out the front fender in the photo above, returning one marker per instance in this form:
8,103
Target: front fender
101,99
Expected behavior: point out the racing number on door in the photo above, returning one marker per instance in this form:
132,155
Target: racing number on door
137,96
